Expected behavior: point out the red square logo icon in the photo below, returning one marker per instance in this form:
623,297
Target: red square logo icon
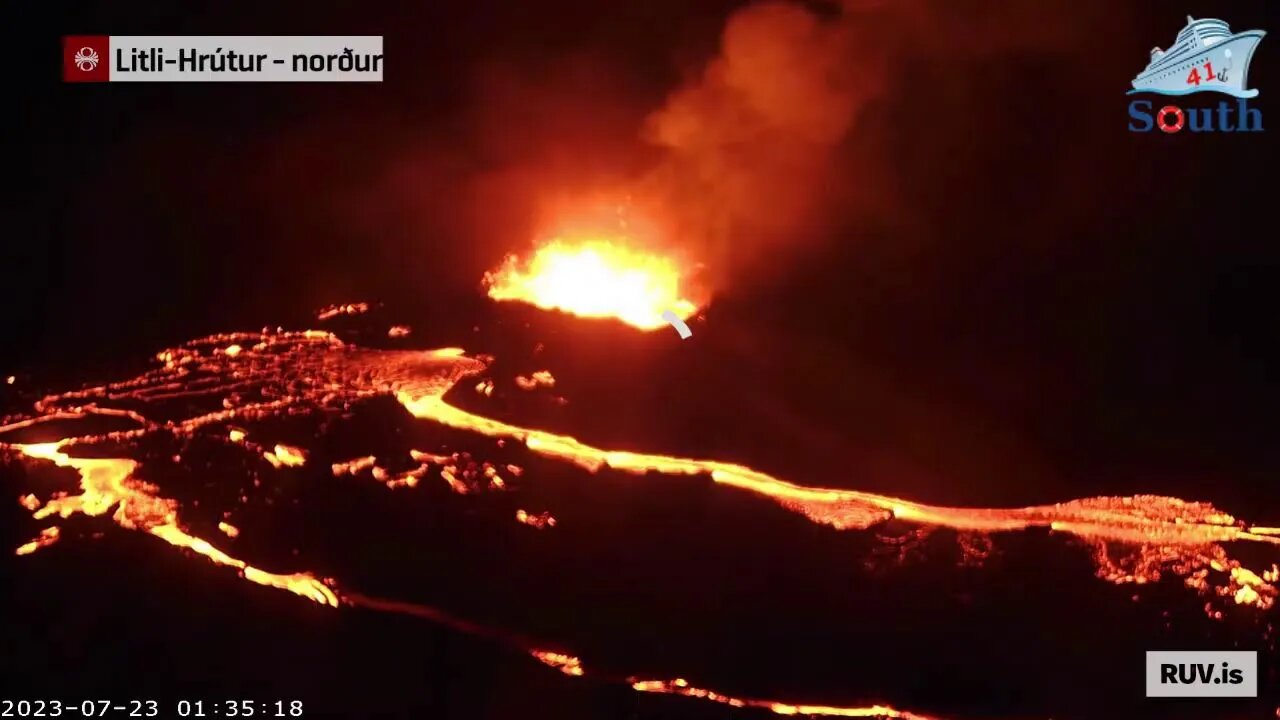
86,58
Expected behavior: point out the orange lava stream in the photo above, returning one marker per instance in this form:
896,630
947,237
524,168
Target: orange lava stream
597,277
680,686
106,483
571,665
1169,532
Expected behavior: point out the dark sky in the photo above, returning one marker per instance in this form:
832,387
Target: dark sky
1008,245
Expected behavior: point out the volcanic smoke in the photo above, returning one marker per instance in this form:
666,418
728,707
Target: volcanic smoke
746,158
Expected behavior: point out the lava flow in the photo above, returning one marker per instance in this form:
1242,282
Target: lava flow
1167,533
107,483
220,388
598,277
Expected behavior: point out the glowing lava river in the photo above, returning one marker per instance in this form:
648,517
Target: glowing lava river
239,393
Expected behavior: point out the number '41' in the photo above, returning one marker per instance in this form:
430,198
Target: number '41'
1194,78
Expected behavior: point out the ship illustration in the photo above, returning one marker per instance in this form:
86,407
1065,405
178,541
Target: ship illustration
1206,57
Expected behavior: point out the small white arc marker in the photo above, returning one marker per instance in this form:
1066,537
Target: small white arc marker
678,324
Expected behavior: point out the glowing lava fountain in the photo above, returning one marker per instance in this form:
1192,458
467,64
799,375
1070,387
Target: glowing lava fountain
599,277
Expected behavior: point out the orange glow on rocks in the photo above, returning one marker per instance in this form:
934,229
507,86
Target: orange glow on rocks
597,277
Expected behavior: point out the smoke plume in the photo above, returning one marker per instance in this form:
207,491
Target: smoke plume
749,142
758,157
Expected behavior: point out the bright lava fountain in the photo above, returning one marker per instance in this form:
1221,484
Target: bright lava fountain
597,277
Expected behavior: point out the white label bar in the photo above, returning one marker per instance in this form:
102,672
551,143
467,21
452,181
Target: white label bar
223,58
1194,673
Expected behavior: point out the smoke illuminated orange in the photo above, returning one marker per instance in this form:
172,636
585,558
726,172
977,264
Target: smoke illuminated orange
597,277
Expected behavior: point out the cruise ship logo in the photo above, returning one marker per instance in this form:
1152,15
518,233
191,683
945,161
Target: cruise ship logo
1206,57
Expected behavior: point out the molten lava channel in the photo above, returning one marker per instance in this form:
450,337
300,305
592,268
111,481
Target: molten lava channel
258,376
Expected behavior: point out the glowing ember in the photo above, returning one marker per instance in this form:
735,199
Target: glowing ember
408,478
286,456
354,467
398,331
229,530
538,520
595,278
333,311
567,664
47,537
541,378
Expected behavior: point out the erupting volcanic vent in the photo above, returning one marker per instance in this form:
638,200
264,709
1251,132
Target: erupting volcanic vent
597,277
229,389
599,258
